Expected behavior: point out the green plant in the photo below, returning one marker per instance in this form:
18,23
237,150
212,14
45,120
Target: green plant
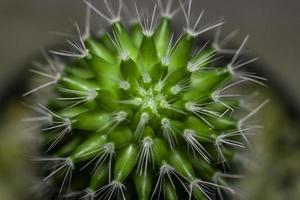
135,113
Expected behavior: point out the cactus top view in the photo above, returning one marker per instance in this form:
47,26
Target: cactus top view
141,112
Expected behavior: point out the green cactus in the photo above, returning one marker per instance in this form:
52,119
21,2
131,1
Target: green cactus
136,115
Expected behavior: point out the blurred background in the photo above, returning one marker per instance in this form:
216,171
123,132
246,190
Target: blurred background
274,29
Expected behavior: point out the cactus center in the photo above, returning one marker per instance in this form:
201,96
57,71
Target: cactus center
150,98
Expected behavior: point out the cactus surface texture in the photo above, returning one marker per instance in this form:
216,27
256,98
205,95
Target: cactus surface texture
142,113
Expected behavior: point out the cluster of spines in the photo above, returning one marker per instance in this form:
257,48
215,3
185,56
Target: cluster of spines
136,108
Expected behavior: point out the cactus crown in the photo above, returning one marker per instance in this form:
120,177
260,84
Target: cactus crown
137,115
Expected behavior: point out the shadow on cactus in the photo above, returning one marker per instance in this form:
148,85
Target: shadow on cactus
137,113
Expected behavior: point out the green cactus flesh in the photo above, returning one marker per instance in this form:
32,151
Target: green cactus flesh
138,116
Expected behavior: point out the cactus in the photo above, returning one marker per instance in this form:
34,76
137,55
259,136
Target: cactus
138,115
